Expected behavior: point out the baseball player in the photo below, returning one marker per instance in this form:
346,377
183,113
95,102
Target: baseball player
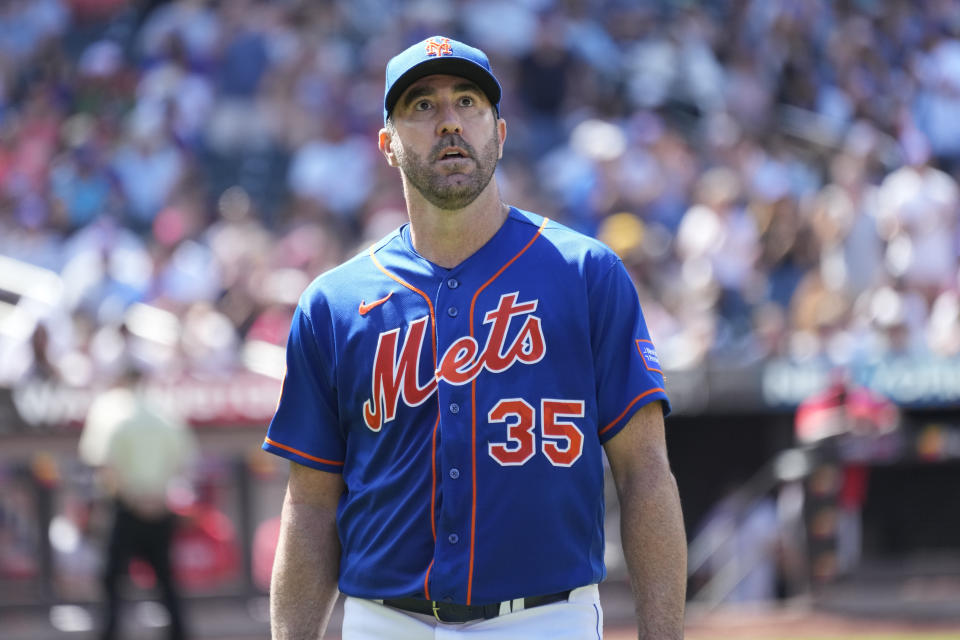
448,396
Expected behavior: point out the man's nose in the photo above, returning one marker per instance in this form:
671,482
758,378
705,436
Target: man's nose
449,121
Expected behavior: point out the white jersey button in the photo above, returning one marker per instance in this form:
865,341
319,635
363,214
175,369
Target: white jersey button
452,312
453,538
453,283
454,473
454,408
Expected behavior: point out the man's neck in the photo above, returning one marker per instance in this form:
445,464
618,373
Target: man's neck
448,237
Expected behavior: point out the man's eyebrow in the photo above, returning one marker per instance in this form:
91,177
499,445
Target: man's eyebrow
415,94
466,86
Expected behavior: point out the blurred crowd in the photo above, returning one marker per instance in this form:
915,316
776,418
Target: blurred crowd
780,177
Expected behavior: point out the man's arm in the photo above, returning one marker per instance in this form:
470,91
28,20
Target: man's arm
651,523
303,588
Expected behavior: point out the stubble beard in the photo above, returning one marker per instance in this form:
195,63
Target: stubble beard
442,190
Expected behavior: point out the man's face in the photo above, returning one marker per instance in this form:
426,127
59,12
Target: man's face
446,140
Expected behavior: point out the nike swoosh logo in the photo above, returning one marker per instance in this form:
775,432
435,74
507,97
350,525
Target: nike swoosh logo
365,308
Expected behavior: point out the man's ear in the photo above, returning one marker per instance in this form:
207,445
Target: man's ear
385,142
501,134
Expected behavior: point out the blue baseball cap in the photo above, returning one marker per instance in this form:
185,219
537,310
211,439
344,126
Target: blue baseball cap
439,54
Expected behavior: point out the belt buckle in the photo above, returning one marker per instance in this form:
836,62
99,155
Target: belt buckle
436,612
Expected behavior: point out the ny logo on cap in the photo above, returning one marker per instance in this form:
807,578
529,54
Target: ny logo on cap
441,48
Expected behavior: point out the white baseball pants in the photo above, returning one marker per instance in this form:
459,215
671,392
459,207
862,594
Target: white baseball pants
579,618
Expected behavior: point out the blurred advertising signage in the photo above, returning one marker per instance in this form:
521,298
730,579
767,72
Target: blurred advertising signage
234,401
907,381
715,390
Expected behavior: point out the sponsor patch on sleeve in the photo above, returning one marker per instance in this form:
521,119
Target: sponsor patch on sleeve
649,356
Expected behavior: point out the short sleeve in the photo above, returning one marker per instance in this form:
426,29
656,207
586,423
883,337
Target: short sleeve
629,374
305,427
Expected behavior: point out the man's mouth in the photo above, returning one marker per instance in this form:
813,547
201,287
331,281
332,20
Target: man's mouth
453,153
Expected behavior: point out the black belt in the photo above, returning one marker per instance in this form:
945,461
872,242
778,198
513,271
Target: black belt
449,612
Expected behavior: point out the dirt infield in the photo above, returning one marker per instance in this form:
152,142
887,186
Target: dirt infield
809,627
801,623
875,610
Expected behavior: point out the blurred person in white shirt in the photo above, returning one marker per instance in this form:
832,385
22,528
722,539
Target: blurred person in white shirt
141,452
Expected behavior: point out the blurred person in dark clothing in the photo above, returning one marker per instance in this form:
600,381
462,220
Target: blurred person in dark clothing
139,451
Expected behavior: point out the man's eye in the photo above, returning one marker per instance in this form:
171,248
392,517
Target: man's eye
466,101
423,105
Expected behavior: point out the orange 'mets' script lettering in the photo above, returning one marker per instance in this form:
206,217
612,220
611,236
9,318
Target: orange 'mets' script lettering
365,308
396,376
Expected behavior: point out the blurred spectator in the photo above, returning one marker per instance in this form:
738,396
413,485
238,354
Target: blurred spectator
194,22
147,165
140,453
717,240
331,171
106,268
80,188
206,549
543,86
844,408
171,83
938,99
42,368
919,216
26,24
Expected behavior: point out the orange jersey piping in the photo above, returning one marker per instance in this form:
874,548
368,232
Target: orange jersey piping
401,281
473,417
433,452
632,402
301,453
433,482
426,579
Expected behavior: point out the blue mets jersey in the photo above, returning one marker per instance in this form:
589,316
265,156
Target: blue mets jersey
467,408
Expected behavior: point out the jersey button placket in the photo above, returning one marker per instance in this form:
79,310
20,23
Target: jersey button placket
451,566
